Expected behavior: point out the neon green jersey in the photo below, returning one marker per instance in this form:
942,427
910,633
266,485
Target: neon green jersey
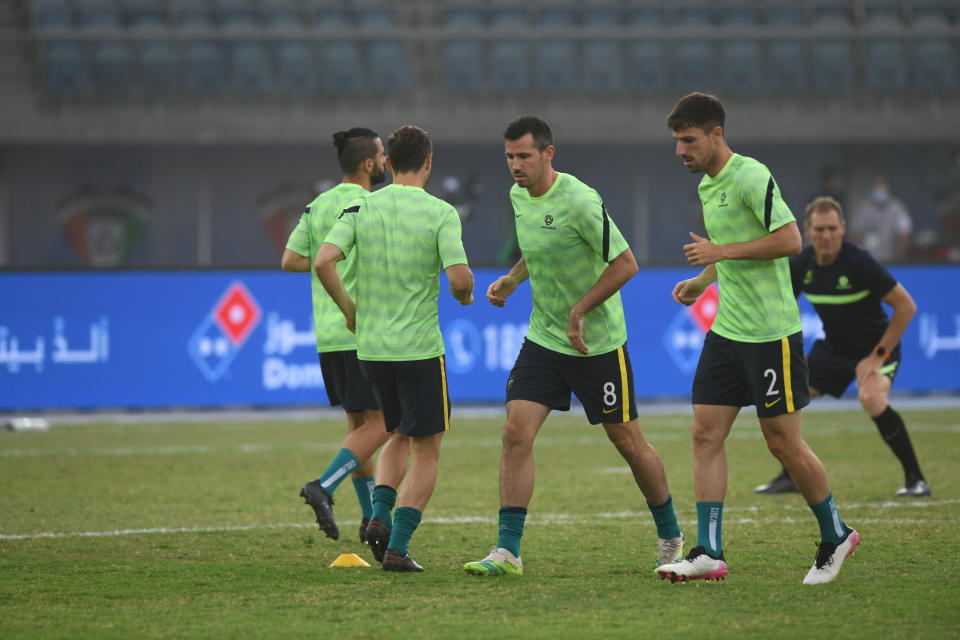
567,239
740,204
402,237
306,238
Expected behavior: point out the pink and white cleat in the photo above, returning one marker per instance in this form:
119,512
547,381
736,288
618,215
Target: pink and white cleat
830,558
698,565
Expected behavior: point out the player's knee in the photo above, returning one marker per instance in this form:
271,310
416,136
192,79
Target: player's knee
516,435
704,437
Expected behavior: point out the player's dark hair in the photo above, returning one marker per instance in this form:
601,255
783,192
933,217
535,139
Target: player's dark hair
408,148
822,204
353,147
700,110
535,126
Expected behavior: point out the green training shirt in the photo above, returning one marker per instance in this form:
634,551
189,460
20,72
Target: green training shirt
740,204
567,239
306,238
402,237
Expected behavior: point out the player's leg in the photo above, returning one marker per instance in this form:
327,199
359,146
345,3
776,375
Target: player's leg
782,483
414,495
705,561
367,434
874,397
421,386
604,384
534,388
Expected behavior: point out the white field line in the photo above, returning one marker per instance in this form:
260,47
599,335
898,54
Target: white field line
535,519
452,442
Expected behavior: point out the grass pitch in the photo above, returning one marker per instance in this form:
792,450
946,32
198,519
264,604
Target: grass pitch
195,530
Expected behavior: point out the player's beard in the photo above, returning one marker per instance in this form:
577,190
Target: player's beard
377,178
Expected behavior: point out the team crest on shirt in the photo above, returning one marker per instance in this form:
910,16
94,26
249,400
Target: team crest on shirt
808,277
843,282
548,223
723,199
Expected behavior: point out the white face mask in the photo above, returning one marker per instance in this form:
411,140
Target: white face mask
879,195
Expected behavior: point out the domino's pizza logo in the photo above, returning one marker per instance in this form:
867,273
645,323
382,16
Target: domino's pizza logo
224,330
684,336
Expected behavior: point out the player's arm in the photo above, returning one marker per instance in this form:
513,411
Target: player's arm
326,267
782,242
503,286
293,261
686,292
461,283
618,273
904,308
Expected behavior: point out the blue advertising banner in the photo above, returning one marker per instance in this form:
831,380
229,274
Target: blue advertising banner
218,338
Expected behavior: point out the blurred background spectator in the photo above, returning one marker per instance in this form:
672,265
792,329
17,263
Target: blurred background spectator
881,224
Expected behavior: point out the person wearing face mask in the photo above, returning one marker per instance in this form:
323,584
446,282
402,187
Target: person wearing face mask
882,224
846,285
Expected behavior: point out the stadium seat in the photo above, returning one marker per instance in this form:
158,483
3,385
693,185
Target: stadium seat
64,69
787,62
50,14
388,69
511,73
833,61
934,57
110,60
203,64
646,58
463,64
740,59
343,69
601,60
556,58
157,72
694,58
295,66
248,66
886,57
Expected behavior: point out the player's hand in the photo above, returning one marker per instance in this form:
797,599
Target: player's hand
575,332
686,291
701,252
868,367
350,315
501,288
468,301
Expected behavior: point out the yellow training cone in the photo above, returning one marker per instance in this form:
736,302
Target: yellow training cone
349,560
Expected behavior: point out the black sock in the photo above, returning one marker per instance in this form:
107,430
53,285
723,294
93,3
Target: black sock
894,433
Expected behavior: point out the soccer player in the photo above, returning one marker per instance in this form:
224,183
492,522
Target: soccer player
401,237
577,261
362,161
846,285
753,354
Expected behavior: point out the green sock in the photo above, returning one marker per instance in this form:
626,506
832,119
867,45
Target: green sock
832,528
511,528
709,526
344,462
384,498
666,519
406,522
364,489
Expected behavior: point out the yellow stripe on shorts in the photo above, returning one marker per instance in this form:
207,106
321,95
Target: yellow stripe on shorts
624,390
787,381
446,401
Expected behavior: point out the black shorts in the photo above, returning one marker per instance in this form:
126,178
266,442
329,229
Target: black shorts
412,394
345,383
831,373
603,383
770,375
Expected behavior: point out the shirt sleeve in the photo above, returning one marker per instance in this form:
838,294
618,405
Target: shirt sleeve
597,228
450,240
299,240
344,232
875,276
760,192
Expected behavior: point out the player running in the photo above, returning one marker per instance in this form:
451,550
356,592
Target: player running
753,354
361,158
577,262
402,237
846,285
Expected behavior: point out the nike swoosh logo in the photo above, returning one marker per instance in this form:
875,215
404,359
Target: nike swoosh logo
610,410
517,215
770,404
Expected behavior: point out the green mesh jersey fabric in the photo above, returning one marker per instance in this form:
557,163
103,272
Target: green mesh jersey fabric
743,203
401,237
306,238
567,238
